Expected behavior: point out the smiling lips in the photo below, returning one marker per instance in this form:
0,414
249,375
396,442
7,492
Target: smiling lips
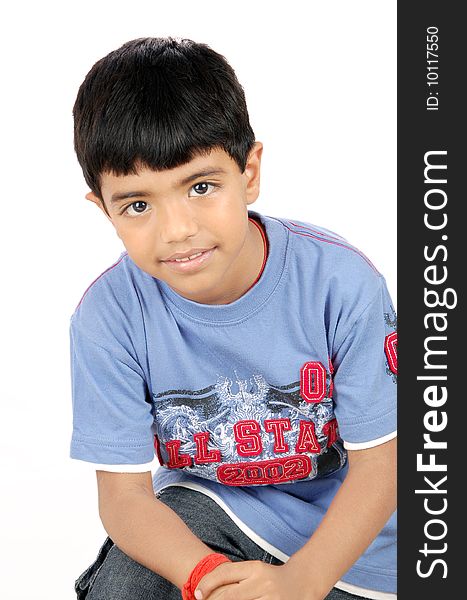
187,254
183,262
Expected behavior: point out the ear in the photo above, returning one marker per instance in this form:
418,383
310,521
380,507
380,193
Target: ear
100,203
252,173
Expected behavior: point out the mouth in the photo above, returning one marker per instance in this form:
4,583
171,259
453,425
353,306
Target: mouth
190,263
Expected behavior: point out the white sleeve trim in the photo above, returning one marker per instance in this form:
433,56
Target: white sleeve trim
371,443
151,466
364,592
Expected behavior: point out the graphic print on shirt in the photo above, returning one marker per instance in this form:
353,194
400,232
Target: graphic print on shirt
390,344
250,432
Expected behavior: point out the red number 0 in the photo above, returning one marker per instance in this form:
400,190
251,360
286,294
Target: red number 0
312,381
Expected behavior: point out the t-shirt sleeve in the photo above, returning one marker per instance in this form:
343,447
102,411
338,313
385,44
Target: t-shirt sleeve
112,416
365,376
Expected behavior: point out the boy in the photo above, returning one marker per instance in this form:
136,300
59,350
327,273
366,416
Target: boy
255,356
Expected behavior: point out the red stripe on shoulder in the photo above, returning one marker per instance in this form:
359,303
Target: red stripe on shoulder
323,233
98,277
335,243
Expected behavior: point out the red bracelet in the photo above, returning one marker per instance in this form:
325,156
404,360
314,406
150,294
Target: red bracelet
205,566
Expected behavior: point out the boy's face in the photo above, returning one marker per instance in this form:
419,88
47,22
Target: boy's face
161,213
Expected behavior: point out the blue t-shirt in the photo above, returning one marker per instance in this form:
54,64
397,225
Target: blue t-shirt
253,402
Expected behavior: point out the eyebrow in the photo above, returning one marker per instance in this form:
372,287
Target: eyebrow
181,182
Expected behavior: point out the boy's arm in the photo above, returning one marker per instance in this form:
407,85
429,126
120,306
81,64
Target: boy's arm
359,510
145,528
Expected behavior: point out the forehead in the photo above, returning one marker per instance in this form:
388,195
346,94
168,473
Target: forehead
217,164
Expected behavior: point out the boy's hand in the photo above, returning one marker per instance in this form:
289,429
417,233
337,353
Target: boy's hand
252,580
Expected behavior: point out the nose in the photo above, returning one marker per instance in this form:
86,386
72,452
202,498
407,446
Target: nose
177,222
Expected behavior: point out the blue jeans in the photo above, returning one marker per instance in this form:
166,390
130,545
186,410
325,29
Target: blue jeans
116,576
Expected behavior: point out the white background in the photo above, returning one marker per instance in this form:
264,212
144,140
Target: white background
320,84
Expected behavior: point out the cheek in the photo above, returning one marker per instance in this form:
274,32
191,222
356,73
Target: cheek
231,220
134,241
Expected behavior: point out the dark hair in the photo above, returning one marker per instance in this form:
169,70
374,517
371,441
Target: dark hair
158,102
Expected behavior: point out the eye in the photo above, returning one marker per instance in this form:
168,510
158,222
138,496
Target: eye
136,208
203,187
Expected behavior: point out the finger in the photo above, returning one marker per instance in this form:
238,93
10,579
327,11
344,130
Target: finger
232,591
224,574
220,592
